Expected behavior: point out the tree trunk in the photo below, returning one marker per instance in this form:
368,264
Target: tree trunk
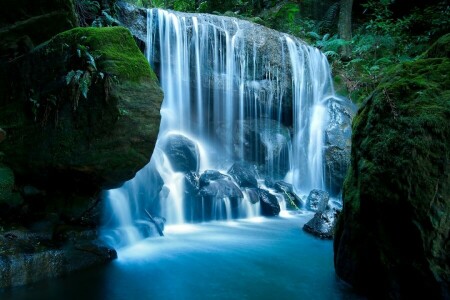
345,26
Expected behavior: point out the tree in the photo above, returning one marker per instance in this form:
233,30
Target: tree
345,26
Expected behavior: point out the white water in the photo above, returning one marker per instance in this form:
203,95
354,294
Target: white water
220,87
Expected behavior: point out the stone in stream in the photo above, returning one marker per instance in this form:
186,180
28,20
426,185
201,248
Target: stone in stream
269,203
221,188
322,224
292,200
244,174
182,153
211,175
317,200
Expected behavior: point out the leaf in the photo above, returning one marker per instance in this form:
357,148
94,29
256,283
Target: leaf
85,82
314,35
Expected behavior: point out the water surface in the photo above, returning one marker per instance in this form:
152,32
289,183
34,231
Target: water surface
246,259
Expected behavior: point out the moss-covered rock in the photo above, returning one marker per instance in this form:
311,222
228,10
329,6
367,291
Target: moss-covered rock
57,139
392,239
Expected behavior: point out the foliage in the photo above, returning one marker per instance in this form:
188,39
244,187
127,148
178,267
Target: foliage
86,10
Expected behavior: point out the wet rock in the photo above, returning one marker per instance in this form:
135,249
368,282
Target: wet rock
29,257
317,200
244,174
253,195
293,201
221,188
338,143
211,175
322,224
269,204
182,153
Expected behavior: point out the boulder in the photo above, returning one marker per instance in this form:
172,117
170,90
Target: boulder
57,138
317,200
244,174
27,257
182,153
338,143
221,188
292,200
322,224
269,203
211,175
392,236
264,142
253,195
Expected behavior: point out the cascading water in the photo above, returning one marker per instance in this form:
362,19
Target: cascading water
234,94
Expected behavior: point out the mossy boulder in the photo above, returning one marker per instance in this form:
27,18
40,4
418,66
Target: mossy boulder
60,140
392,238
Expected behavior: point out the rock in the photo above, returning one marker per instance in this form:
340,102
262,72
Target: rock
253,195
269,203
191,183
322,224
22,269
338,143
264,142
221,188
8,196
293,201
2,135
182,153
317,200
26,24
68,142
392,237
244,174
211,175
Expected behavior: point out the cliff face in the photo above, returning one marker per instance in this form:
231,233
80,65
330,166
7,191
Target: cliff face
392,236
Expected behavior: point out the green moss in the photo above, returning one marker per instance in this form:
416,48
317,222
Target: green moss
120,55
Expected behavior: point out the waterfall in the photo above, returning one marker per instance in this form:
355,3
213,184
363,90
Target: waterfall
239,92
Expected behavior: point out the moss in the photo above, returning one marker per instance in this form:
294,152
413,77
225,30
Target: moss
392,225
120,55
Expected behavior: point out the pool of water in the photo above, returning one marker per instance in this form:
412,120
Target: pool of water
245,259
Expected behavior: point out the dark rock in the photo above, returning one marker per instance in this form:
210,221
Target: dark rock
2,135
211,175
8,196
182,153
264,142
191,183
391,240
244,174
92,143
269,203
221,188
322,224
253,195
338,143
25,24
293,201
29,257
317,200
